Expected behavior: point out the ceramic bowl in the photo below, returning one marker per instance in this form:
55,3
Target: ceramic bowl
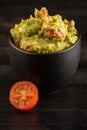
50,72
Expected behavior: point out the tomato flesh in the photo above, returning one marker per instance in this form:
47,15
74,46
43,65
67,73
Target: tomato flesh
53,33
23,95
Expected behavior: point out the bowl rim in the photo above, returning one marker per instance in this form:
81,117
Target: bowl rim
51,53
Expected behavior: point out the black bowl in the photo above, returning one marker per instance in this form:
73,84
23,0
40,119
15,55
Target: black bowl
50,72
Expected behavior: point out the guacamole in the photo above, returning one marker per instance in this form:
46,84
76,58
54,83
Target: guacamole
43,33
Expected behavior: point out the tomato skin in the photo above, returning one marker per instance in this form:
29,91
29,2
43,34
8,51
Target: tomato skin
23,95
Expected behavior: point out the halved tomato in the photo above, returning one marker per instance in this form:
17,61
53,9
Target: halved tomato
23,95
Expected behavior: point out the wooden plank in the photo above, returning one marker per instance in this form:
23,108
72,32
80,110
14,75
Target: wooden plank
3,40
80,77
4,57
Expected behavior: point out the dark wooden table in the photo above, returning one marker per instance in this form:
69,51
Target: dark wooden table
65,110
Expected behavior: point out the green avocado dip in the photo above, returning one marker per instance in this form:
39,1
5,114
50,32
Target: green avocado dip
44,33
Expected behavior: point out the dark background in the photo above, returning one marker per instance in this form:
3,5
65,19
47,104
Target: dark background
66,110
